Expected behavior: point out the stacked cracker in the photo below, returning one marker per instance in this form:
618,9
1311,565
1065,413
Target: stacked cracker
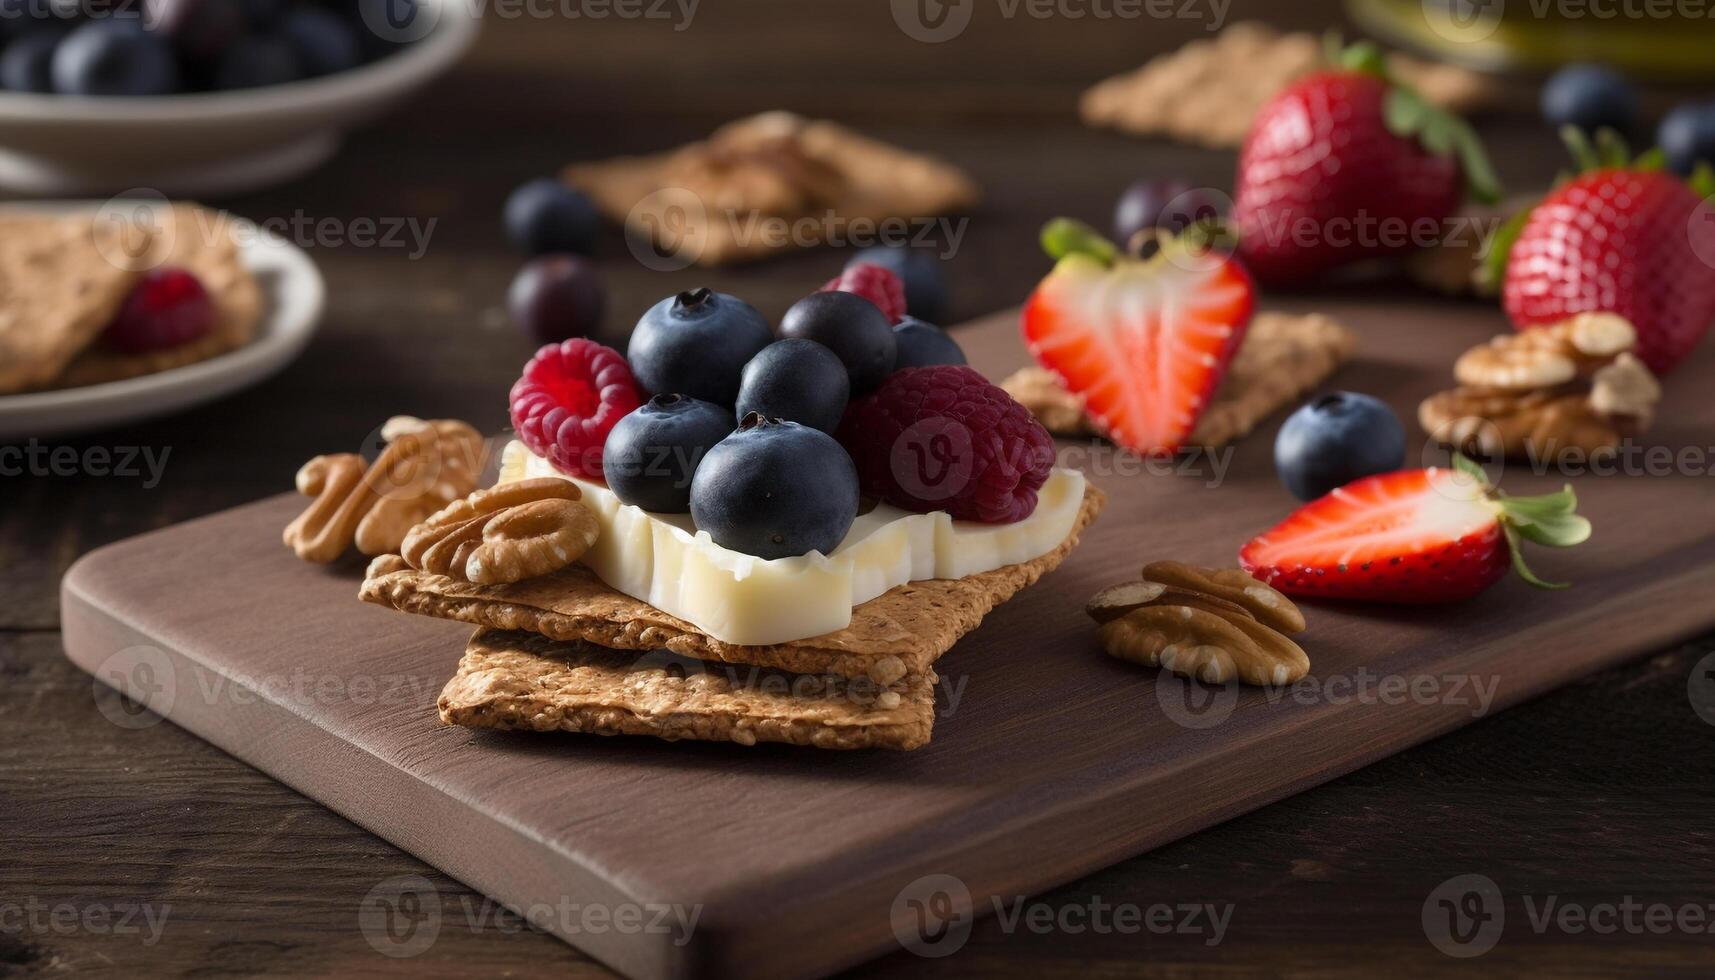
556,649
63,279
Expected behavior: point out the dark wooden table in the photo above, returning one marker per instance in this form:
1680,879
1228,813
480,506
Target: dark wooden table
1596,796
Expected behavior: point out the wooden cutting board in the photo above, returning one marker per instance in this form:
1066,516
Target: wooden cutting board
1049,760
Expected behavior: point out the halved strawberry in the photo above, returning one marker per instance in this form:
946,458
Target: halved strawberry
1414,536
1145,342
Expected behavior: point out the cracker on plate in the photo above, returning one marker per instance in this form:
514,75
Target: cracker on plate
62,279
206,243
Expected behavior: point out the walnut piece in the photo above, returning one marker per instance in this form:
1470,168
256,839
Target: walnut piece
1572,387
372,506
506,533
1215,625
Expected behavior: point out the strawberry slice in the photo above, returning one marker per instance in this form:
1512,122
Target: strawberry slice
1145,342
1414,536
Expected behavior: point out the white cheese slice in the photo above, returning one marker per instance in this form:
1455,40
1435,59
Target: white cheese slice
737,598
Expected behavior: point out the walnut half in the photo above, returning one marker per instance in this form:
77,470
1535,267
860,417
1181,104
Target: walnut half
1212,624
506,533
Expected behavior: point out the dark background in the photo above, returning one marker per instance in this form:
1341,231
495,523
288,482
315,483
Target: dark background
1596,793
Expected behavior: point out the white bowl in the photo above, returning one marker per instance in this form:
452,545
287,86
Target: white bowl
292,298
212,143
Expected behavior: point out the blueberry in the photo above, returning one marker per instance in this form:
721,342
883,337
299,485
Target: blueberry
1687,136
1172,205
325,44
796,380
257,61
1334,440
696,344
775,489
918,270
545,215
558,297
199,29
1590,97
651,454
114,57
850,326
923,344
26,65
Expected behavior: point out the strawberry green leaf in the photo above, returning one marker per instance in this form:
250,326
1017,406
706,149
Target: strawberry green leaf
1362,56
1560,531
1584,156
1468,466
1410,116
1703,180
1522,570
1556,504
1493,271
1063,236
1652,159
1611,148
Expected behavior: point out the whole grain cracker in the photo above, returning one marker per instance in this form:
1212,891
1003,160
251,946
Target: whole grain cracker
710,202
1283,356
59,288
900,632
205,242
1208,91
521,680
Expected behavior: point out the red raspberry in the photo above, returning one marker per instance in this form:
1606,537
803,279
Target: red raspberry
570,396
875,283
167,308
943,438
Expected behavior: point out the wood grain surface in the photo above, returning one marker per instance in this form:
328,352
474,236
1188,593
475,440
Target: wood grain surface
1049,759
1594,793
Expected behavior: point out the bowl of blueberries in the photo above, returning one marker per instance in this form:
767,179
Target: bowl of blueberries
197,97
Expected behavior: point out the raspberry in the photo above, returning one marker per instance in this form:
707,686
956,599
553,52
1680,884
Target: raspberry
875,283
167,308
570,396
943,438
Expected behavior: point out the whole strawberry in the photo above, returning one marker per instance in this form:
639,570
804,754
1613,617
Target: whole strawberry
1630,239
1345,165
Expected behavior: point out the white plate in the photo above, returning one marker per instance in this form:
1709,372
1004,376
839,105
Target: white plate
293,295
218,143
